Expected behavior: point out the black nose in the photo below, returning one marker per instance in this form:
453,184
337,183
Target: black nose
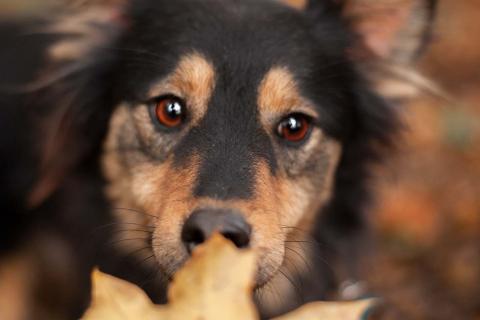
204,222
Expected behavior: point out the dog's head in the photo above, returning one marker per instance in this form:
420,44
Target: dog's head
228,123
228,116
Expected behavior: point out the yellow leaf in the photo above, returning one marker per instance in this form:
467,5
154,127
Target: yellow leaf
215,284
114,299
330,311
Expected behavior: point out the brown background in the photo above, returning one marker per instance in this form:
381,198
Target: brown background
428,214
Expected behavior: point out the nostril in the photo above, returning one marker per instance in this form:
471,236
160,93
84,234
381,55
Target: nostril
192,237
202,223
195,235
240,238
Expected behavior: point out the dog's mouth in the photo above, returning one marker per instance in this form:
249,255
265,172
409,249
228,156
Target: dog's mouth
170,260
173,246
263,276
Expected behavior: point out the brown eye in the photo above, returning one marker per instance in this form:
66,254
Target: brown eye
294,128
170,112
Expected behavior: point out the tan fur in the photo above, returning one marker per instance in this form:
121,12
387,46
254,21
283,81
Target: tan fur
297,202
119,190
278,95
83,31
167,193
160,195
193,80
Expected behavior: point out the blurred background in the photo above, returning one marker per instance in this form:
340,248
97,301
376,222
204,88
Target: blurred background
426,262
427,216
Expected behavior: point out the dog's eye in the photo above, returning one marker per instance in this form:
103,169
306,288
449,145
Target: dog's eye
294,128
170,111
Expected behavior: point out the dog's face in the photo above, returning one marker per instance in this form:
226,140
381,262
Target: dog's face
227,124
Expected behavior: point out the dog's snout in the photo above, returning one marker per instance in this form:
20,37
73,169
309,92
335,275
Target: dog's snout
204,222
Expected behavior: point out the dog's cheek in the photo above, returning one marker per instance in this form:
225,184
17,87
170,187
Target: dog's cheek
306,178
299,198
166,192
133,181
146,193
286,203
118,163
154,189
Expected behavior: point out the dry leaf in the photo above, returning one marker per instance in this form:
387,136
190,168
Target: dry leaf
114,299
216,284
330,311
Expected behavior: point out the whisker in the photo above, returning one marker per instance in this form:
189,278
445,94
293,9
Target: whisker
131,253
313,243
297,271
307,264
269,290
119,223
135,211
125,240
316,246
145,260
296,288
133,230
307,235
152,276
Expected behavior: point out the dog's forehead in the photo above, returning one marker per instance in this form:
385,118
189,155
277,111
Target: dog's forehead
235,36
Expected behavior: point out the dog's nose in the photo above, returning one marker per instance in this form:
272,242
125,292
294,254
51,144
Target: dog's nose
204,222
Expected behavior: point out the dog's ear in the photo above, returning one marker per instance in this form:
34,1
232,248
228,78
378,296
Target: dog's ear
389,36
387,29
72,91
392,30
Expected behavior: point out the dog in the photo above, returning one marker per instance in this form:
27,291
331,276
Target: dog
143,128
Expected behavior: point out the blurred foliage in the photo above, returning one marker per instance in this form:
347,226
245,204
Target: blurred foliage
427,218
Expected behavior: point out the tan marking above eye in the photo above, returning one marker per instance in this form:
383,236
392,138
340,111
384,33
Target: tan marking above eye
278,96
193,80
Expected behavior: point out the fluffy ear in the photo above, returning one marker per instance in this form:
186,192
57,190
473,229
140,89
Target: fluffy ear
386,29
71,98
388,37
393,30
391,35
